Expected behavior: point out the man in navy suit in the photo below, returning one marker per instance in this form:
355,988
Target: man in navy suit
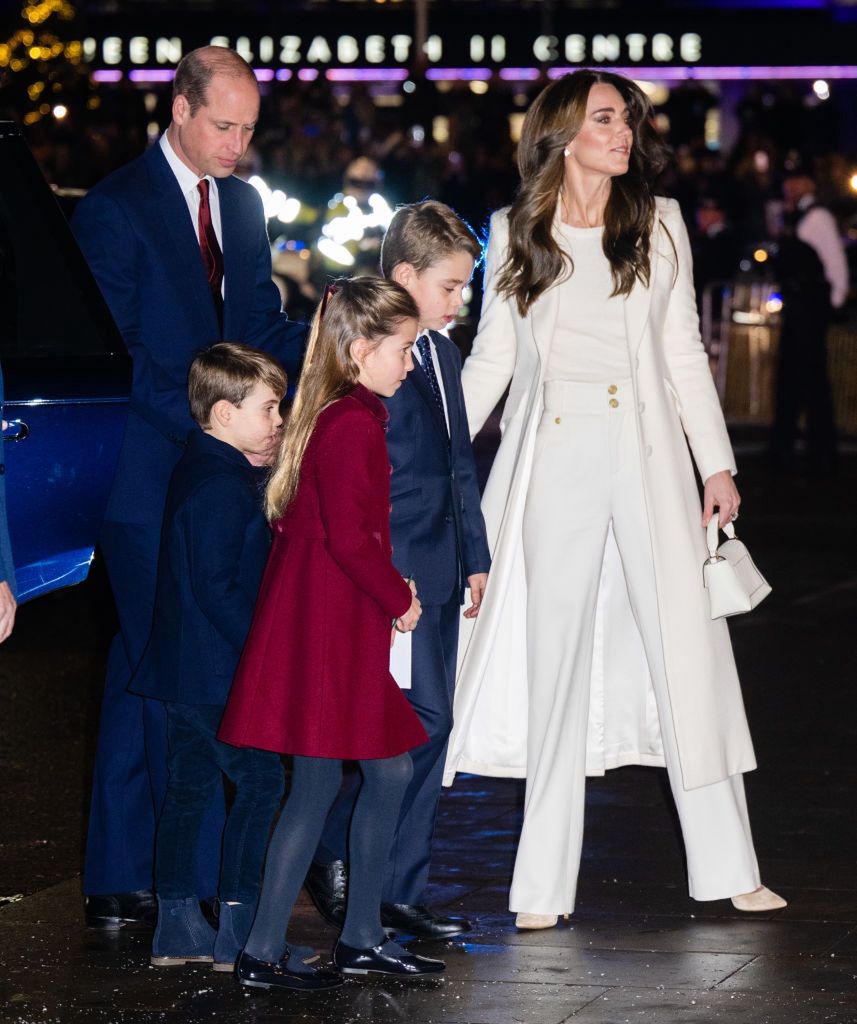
7,567
180,251
439,540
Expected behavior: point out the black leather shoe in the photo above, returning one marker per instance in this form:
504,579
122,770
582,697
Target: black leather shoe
121,909
421,922
260,974
376,960
327,885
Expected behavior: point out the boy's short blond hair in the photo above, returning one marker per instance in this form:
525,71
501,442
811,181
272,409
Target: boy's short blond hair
228,371
425,233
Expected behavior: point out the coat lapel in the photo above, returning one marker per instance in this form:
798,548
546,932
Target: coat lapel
638,303
183,252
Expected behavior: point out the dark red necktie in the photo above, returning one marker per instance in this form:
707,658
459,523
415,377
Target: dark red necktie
212,256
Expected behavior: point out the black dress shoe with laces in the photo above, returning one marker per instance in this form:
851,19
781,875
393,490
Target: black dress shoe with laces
421,922
121,910
383,960
327,885
261,974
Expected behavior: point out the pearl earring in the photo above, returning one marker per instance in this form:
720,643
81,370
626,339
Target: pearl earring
566,151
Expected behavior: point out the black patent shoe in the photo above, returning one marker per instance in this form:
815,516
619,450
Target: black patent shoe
260,974
376,960
327,885
421,922
121,910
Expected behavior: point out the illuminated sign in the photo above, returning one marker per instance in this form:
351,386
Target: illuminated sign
399,49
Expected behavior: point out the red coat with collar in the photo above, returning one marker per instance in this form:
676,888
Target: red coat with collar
314,678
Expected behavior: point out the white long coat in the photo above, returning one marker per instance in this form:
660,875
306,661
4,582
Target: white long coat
676,404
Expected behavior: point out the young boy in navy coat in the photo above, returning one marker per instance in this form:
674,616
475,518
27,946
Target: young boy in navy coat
438,537
214,546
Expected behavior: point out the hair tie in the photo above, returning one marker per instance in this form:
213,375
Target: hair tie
329,290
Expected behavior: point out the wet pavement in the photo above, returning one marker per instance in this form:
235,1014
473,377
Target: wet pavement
636,950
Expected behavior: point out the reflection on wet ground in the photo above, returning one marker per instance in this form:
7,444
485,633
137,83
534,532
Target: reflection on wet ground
636,950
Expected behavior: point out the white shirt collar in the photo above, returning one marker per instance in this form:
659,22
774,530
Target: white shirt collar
186,178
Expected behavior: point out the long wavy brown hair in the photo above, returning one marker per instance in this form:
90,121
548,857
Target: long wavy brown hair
362,307
535,259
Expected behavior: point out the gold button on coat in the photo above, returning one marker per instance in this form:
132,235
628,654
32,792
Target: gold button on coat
612,389
557,420
614,404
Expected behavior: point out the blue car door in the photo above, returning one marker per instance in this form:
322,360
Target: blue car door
67,378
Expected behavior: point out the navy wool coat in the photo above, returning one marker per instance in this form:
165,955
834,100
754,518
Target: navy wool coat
214,546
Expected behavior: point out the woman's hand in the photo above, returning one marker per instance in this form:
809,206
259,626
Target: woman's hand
721,493
405,623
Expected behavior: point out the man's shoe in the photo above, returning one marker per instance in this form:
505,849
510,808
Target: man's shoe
327,885
421,922
260,974
388,958
121,909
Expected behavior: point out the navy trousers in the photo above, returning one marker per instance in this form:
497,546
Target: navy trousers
130,775
433,657
197,762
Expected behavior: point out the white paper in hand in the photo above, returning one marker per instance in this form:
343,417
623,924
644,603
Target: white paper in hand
400,660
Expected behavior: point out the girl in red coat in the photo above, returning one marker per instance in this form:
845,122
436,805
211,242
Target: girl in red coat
314,678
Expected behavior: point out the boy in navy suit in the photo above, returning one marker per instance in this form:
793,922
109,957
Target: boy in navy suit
438,537
214,546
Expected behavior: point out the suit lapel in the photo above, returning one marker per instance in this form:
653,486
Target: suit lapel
183,252
422,385
237,267
448,373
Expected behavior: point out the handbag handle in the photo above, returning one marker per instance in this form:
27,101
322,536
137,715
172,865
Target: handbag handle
711,535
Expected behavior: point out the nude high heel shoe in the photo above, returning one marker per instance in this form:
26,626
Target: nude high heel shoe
758,900
532,922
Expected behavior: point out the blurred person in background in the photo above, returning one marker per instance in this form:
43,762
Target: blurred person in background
813,278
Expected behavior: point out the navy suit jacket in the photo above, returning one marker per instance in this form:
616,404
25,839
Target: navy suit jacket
7,567
138,237
436,523
214,546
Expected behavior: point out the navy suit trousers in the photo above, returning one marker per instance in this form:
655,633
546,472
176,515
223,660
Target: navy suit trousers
130,775
433,657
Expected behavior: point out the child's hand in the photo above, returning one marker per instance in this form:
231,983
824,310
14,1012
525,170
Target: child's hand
477,583
407,622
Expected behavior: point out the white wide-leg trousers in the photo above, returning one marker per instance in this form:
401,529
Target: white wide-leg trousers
586,475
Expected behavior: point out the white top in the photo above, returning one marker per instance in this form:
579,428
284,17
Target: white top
818,229
415,352
187,183
590,343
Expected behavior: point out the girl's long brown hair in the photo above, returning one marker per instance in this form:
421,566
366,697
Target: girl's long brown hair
535,259
363,307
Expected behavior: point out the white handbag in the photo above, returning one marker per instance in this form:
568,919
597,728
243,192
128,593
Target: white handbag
730,576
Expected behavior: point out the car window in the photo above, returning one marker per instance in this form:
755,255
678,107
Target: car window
50,303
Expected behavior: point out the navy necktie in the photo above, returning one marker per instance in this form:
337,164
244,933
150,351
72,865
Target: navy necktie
424,348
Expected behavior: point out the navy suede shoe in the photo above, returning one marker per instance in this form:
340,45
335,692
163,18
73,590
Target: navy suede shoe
182,935
233,927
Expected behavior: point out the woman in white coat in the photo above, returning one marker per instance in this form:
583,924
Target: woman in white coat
594,647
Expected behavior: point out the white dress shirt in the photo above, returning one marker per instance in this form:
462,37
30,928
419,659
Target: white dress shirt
188,182
434,361
818,229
